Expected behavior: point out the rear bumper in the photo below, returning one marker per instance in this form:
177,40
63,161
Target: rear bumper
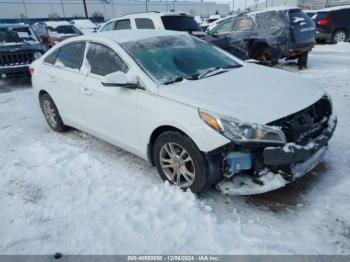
14,71
323,35
300,50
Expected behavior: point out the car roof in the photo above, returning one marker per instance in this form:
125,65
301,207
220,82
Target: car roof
122,36
149,15
334,8
14,25
275,8
56,23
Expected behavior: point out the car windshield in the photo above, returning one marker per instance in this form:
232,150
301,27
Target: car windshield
9,36
170,58
65,30
180,23
26,34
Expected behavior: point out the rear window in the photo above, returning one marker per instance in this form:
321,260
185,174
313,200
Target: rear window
144,23
65,30
319,16
180,23
300,18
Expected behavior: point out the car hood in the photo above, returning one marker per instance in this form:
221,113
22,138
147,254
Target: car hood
250,93
4,47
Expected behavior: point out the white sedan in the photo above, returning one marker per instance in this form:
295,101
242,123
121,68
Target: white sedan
197,113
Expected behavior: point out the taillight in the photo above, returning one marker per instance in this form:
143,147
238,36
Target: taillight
31,71
324,22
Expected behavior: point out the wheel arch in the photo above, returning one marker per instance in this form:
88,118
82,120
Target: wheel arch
255,45
341,29
156,133
42,92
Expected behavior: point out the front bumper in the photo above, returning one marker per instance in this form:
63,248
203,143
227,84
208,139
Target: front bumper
291,153
14,71
281,165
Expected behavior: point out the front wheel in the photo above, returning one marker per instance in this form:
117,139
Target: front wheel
179,161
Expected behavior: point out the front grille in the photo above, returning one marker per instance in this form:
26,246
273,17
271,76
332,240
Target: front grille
307,124
16,59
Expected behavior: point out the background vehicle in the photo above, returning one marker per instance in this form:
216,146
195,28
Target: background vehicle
210,26
209,21
52,32
267,35
333,24
310,13
84,25
168,97
155,20
19,47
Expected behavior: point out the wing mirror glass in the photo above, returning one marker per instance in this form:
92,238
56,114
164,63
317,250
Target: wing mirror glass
119,79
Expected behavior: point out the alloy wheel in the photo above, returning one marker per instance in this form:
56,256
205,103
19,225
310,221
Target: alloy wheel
177,165
50,113
339,37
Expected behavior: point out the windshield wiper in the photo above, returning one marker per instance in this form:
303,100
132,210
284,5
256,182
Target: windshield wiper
217,70
180,78
176,79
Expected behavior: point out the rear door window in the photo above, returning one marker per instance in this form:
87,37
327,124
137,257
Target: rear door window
180,23
243,24
300,19
144,23
71,55
123,24
103,60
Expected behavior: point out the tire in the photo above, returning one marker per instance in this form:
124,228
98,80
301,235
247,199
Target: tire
339,36
302,60
52,114
167,165
265,56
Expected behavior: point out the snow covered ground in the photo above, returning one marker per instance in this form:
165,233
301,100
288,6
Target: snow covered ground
74,194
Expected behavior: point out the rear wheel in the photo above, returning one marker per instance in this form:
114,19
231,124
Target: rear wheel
51,113
179,161
339,36
264,56
302,60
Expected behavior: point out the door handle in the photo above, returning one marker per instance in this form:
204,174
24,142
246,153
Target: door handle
52,79
86,91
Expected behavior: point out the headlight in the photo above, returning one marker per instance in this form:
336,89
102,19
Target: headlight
239,131
37,55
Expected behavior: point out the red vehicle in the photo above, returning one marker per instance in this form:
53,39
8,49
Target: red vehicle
53,32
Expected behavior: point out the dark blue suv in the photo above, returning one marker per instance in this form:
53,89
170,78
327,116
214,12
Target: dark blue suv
19,47
267,35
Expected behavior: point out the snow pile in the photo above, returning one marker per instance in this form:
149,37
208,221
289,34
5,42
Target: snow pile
74,194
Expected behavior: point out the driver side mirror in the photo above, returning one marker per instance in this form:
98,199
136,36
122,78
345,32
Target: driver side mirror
119,79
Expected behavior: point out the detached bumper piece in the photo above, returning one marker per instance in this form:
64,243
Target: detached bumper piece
281,165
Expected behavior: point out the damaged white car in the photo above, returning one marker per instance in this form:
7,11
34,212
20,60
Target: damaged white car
197,113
